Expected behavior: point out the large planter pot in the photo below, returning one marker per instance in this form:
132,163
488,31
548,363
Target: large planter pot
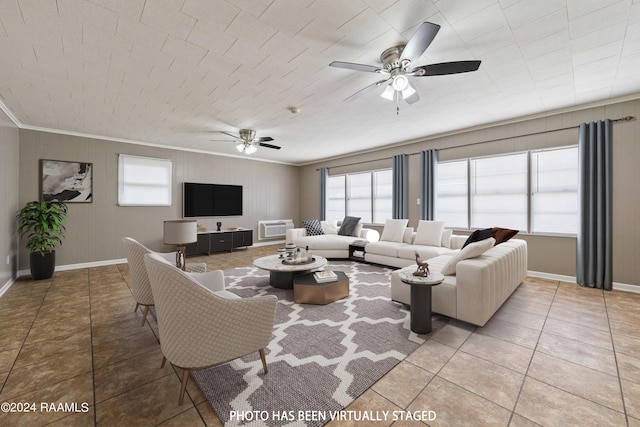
42,267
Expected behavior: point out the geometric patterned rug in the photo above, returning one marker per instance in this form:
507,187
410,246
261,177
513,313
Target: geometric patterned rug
320,358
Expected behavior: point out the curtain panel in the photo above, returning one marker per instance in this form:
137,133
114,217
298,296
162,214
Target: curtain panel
428,174
400,190
324,176
593,266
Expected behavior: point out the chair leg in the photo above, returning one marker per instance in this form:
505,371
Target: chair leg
137,305
183,386
144,315
264,360
164,360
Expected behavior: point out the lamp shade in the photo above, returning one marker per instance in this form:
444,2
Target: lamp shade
180,232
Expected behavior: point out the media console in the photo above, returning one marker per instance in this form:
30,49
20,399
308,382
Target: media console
220,241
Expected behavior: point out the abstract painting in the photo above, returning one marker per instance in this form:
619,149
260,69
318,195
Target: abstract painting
68,182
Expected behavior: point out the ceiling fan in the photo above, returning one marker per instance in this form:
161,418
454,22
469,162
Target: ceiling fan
397,66
249,142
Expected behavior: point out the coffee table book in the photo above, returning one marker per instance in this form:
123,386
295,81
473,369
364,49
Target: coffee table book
325,276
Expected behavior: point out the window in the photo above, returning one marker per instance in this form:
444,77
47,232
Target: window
554,191
534,191
336,197
144,181
364,194
499,191
452,194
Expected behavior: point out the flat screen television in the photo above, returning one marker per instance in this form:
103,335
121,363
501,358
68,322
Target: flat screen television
211,200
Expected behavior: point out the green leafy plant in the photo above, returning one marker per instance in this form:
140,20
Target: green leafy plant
43,223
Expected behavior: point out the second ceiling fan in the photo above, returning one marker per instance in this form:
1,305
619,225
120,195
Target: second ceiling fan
248,142
397,67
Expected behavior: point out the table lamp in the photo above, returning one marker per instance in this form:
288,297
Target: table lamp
180,233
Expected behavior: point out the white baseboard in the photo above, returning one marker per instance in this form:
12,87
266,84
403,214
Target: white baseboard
6,286
625,287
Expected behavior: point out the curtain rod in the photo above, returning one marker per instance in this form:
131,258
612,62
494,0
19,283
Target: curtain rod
622,119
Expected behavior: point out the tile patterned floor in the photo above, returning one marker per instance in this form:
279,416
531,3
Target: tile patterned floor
554,354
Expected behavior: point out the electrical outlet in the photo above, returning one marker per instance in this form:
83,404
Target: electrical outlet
418,202
8,259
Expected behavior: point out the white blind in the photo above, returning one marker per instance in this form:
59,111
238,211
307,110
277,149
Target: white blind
359,196
499,192
382,195
144,181
336,197
554,191
452,194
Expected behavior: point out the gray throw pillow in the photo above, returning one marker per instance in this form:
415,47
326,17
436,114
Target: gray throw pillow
348,227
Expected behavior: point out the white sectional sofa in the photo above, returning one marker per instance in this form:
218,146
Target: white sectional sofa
479,286
330,244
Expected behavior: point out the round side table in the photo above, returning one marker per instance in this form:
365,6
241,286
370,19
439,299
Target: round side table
421,299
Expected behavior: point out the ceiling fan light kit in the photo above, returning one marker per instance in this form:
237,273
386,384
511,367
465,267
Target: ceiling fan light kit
397,65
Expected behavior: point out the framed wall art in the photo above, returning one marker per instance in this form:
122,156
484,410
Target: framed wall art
68,182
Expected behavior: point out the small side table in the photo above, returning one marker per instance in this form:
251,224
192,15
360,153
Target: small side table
421,299
358,246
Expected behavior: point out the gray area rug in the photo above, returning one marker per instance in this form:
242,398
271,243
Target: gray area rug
321,357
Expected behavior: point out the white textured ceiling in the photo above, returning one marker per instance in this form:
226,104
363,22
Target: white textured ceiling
173,72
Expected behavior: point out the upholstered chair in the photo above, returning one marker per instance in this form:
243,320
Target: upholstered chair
140,286
200,328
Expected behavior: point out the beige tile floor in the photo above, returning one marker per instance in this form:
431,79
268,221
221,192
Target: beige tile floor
554,354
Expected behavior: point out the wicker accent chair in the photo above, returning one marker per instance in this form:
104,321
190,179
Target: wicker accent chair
200,328
140,286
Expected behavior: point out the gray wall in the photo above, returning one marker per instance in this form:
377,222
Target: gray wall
94,230
546,254
9,149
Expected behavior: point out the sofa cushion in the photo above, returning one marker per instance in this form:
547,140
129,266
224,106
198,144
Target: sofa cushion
446,238
472,250
313,227
329,227
348,227
425,252
429,233
502,234
478,235
384,248
393,230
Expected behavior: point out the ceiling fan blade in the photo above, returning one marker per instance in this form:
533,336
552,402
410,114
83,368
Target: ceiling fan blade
446,68
356,67
420,41
365,90
263,139
262,144
230,134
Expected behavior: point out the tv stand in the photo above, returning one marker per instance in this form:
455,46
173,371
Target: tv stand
220,241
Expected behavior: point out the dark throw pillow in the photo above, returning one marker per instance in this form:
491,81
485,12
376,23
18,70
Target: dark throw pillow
348,227
478,235
313,227
503,234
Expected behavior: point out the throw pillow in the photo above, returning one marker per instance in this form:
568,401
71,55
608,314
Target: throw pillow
329,227
503,234
472,250
348,226
313,227
446,238
478,235
429,233
393,230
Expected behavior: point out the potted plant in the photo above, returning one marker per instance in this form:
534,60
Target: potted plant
43,224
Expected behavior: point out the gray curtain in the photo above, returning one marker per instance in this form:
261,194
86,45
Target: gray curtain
400,191
428,174
324,175
593,267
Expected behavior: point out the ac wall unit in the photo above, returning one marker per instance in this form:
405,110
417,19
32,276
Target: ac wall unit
274,228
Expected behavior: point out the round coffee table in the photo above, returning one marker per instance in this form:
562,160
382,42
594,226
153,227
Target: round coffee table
421,299
281,274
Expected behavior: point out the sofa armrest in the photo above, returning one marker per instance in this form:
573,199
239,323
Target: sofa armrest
369,234
457,241
293,233
484,283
